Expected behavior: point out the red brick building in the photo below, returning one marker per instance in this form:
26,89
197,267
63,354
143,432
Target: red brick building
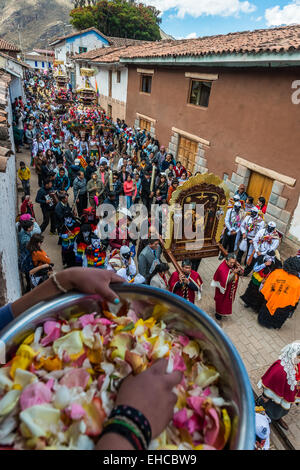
227,104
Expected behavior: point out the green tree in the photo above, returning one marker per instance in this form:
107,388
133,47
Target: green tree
117,18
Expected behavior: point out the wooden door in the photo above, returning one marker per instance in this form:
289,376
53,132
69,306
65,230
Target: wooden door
187,151
259,185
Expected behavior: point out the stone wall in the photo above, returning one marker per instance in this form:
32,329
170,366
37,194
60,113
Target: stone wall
200,162
276,205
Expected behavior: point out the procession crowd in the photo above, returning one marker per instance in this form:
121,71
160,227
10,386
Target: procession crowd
115,165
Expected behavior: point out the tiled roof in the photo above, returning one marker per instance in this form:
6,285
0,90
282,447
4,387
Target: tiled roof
105,54
283,39
77,33
8,46
119,42
17,61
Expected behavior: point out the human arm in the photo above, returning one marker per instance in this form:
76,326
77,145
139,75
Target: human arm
86,280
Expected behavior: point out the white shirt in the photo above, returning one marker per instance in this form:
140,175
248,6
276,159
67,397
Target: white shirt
263,246
247,222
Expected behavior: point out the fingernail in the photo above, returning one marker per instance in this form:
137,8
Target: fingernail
116,301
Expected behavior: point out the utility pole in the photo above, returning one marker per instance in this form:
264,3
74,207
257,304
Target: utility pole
20,43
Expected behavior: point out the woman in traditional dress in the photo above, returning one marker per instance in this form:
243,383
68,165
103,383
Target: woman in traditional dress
226,281
280,384
262,269
281,293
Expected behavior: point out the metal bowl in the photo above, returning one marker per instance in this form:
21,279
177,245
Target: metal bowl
178,314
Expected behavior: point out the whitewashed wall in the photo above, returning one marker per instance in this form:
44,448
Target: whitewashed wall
119,90
8,236
90,41
295,224
39,65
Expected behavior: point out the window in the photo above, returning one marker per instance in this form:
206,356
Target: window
35,64
187,151
118,76
146,83
144,124
43,65
82,49
200,93
49,63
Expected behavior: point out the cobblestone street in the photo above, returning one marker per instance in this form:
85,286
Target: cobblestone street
258,346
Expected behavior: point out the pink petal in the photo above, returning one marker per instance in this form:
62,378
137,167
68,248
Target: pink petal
180,418
194,424
206,392
212,426
184,340
179,363
35,394
50,384
75,378
79,361
52,330
75,411
132,315
88,319
196,404
104,321
100,381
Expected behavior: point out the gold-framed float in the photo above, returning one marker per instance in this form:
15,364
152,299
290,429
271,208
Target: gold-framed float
212,193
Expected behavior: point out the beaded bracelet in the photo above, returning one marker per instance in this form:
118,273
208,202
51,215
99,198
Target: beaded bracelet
124,431
122,420
136,417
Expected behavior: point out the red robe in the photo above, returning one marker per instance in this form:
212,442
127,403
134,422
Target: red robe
193,277
225,291
275,380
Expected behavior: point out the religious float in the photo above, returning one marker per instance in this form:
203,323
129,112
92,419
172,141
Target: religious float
196,219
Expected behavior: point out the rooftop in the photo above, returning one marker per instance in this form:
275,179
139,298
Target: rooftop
276,40
78,33
8,46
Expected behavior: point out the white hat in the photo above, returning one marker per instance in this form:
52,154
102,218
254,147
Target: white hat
124,250
236,197
237,204
77,161
272,224
262,426
254,209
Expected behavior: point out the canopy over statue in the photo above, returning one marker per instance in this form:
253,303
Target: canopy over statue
197,207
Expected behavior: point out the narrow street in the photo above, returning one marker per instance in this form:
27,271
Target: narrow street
258,346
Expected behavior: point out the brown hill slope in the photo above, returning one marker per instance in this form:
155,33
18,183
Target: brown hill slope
39,21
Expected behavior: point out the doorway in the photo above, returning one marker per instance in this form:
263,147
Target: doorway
259,185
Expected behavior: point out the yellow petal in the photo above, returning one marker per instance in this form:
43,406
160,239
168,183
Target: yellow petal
9,401
227,424
70,343
29,339
121,343
39,419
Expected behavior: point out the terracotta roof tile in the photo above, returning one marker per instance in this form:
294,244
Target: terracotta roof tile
8,46
283,39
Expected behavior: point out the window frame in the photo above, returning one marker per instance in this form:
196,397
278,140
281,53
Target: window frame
118,79
142,76
190,92
82,51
